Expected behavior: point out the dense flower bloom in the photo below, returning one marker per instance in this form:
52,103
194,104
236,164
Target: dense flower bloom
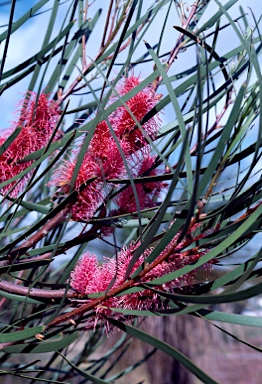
89,277
107,155
102,161
139,105
38,121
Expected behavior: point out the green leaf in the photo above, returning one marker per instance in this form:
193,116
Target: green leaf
216,17
87,31
177,110
23,266
218,161
9,140
158,217
21,335
251,321
43,346
33,207
233,237
14,297
213,299
66,54
84,373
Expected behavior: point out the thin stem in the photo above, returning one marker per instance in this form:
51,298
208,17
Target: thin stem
84,37
9,30
178,46
36,292
35,238
107,23
79,78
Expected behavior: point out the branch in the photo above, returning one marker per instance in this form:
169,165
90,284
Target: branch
37,293
35,238
178,46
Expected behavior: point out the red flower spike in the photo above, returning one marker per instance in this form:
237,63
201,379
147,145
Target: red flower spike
104,159
107,165
98,277
83,272
124,123
38,122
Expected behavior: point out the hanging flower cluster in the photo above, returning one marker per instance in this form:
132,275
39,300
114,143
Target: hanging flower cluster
89,277
109,154
38,120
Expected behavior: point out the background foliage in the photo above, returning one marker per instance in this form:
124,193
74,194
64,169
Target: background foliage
209,145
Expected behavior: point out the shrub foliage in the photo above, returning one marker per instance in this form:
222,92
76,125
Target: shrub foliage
141,137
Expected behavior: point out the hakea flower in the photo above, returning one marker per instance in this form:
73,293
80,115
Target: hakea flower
147,192
104,159
122,120
38,121
89,277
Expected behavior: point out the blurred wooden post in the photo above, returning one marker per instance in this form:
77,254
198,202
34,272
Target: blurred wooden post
188,334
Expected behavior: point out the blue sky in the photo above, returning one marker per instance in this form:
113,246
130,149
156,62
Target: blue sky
21,7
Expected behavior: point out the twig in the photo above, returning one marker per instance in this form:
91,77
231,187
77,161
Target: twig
178,46
45,256
107,23
79,78
84,37
35,238
36,292
75,314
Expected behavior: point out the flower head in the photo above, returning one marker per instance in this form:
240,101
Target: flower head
89,277
38,119
125,118
83,272
113,146
102,161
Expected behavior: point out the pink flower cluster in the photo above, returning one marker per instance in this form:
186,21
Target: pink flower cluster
89,277
104,160
38,121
